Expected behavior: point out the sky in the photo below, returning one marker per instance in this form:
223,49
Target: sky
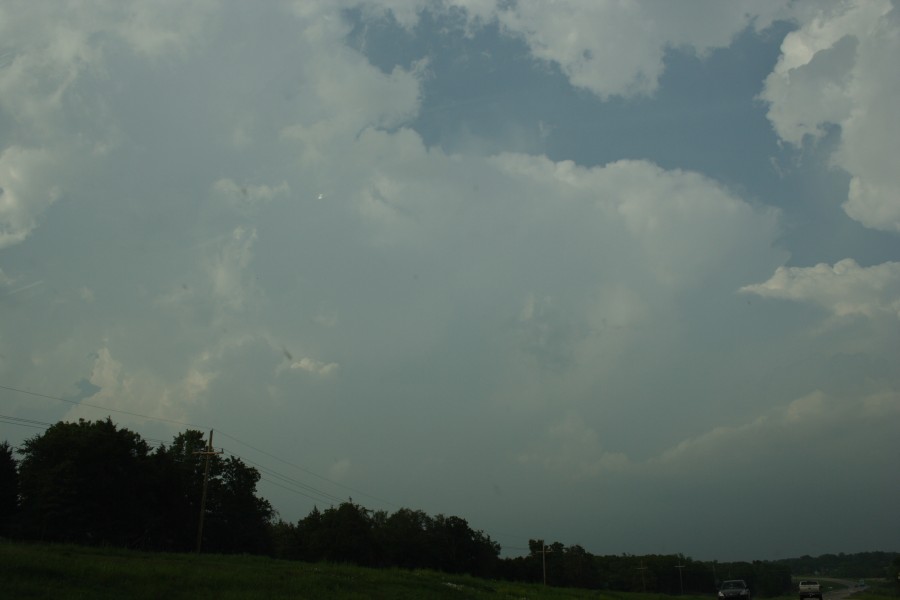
617,274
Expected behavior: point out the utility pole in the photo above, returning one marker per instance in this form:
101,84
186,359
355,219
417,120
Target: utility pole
544,550
206,454
680,580
642,568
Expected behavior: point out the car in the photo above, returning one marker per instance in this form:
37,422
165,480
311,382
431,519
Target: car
734,589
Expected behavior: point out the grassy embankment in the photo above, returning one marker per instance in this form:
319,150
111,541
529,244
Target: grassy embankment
62,572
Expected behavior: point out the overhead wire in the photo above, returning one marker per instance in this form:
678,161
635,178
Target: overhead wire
308,491
307,471
95,406
272,477
10,420
331,498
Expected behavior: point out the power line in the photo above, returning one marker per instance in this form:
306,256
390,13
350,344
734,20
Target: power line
330,498
22,422
307,471
103,408
10,420
322,495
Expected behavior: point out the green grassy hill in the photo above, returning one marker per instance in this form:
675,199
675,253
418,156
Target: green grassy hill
66,571
62,571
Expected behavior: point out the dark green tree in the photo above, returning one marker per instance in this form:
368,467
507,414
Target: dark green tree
460,549
893,573
9,488
406,539
94,483
311,537
84,482
346,535
771,579
235,519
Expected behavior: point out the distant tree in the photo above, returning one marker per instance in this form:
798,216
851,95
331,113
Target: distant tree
462,550
9,488
578,569
893,573
406,539
310,537
284,539
346,535
771,579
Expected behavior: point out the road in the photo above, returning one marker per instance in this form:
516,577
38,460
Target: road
842,592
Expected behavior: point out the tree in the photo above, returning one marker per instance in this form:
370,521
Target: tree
94,483
9,488
84,482
462,550
346,535
235,520
406,540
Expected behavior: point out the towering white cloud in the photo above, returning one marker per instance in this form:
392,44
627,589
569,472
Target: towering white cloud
836,70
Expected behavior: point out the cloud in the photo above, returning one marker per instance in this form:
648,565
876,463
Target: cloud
812,419
314,366
52,56
607,47
24,192
835,70
616,49
573,450
844,289
246,199
228,270
145,396
340,469
657,208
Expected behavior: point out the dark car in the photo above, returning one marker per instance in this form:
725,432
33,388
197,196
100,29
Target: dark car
735,589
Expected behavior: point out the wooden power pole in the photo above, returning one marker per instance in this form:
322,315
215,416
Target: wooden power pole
544,550
206,454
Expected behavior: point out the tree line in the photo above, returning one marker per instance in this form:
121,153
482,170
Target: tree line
97,484
94,483
675,574
849,566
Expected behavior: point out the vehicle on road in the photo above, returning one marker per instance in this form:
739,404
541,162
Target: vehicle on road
734,589
810,588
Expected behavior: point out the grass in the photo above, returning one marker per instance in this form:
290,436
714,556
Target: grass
62,572
878,590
